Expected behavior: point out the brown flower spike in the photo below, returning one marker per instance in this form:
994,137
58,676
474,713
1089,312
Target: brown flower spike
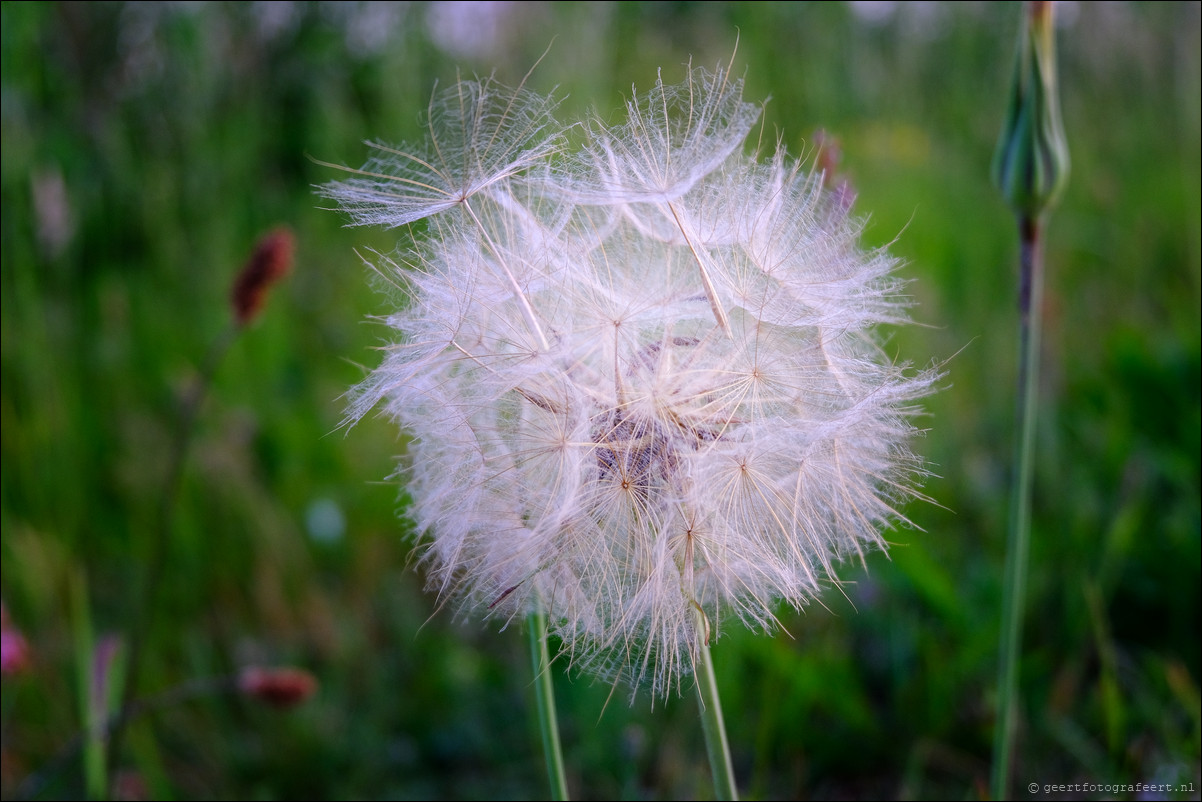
270,262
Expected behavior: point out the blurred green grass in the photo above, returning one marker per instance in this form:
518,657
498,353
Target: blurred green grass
146,146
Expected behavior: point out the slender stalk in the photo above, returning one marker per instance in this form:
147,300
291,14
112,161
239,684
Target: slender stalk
712,723
536,625
155,564
270,262
1018,537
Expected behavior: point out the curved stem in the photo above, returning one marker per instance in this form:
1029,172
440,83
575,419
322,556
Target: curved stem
536,626
712,723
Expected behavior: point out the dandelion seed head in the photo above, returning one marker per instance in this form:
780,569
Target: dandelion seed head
640,379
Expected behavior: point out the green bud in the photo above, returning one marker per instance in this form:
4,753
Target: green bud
1031,163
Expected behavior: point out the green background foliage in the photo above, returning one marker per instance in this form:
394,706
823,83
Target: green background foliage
147,146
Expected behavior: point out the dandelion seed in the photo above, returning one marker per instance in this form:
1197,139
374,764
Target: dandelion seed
641,380
481,133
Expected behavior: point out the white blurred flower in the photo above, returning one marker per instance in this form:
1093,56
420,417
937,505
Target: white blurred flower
640,380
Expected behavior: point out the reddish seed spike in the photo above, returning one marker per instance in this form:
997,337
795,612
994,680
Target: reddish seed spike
269,263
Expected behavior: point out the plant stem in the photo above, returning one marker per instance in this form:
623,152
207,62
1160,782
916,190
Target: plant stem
1019,535
36,783
155,564
536,625
92,738
712,723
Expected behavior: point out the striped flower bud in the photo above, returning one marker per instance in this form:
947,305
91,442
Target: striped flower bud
1031,163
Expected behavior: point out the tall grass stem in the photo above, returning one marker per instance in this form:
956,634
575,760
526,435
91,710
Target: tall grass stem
93,736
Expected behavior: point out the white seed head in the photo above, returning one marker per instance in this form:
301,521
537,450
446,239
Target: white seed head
640,380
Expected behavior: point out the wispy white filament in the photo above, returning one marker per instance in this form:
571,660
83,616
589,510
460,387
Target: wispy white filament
640,378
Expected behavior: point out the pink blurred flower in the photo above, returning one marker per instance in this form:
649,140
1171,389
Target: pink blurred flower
14,649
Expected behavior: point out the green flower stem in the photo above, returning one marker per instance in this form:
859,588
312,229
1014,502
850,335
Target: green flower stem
536,625
712,723
1030,168
1018,538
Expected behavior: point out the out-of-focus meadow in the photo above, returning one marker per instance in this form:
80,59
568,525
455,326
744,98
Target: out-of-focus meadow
146,146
